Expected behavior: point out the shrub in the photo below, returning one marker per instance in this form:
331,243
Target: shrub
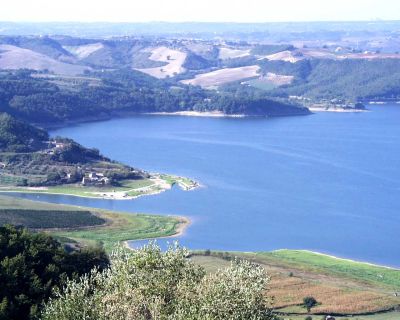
151,284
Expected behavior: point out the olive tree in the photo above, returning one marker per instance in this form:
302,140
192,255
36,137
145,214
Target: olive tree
148,283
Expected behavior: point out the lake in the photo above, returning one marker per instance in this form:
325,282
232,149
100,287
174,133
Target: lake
328,182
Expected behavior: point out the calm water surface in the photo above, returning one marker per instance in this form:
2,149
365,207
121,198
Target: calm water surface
329,182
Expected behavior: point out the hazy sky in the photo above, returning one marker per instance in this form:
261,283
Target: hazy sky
198,10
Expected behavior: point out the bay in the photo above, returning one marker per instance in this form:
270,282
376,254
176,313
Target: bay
328,182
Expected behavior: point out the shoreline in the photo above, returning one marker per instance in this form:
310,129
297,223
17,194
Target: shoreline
339,110
128,114
160,184
183,224
209,114
340,258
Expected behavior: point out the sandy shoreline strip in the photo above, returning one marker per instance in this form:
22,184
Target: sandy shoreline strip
336,110
212,114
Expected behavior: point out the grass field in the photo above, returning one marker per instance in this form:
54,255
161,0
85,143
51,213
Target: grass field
351,289
119,226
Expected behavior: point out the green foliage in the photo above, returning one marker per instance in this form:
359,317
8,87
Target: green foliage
196,62
17,136
349,79
151,284
34,264
38,100
309,302
45,219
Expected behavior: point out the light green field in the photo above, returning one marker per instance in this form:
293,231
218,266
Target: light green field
326,264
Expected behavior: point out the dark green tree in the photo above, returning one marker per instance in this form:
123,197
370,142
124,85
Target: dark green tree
309,303
32,265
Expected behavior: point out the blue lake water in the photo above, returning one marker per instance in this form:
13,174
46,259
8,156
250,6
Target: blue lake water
328,182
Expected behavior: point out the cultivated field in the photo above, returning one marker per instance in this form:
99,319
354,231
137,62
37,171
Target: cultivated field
340,286
229,53
222,76
12,57
173,60
84,51
270,81
287,56
49,219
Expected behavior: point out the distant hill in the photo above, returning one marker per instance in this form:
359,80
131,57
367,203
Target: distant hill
59,79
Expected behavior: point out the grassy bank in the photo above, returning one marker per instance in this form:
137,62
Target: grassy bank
375,275
118,227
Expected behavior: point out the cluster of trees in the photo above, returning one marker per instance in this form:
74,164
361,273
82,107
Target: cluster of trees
17,136
38,100
33,265
350,79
